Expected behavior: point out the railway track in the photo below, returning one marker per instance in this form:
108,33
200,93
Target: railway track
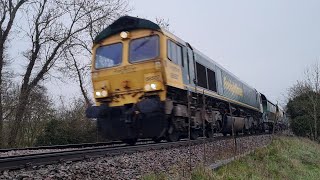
71,146
30,160
68,146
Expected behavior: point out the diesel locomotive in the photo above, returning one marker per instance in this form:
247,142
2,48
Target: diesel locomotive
148,83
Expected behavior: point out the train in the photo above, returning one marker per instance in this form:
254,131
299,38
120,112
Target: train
149,83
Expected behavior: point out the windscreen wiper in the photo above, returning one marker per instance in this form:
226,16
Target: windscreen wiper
142,44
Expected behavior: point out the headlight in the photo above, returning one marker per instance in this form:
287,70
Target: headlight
124,34
103,93
147,87
98,93
153,87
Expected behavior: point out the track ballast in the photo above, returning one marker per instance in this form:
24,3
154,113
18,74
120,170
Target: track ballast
30,160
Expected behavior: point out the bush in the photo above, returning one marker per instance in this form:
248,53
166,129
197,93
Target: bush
70,126
63,132
300,110
301,126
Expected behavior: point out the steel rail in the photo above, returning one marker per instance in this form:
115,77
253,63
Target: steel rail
67,146
59,146
23,161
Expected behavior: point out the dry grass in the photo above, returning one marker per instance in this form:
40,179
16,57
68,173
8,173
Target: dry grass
285,158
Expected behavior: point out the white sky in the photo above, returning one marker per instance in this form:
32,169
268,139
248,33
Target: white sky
267,44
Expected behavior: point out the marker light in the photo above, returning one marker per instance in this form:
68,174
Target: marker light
104,93
124,34
157,65
147,87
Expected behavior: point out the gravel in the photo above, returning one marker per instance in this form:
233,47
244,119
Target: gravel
174,162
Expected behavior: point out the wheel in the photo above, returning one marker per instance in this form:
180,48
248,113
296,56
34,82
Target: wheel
156,140
209,133
218,126
246,132
194,135
173,137
130,142
252,131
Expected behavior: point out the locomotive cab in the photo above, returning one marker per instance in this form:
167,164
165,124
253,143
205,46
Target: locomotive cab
127,67
130,71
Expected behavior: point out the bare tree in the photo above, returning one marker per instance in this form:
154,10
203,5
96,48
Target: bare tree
78,56
8,12
81,79
54,27
38,112
313,83
301,93
310,87
163,23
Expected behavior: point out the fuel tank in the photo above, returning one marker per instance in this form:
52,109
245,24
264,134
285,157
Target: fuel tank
237,123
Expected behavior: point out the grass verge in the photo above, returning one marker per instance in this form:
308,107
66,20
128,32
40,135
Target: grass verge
284,158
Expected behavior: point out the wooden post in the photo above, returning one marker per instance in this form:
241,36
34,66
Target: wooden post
203,127
189,129
233,133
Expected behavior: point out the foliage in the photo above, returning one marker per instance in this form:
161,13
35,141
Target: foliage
300,110
58,36
297,106
301,126
69,126
45,124
301,119
39,110
51,32
8,13
304,103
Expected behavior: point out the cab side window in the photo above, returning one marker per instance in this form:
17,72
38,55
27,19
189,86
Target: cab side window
174,52
211,80
201,76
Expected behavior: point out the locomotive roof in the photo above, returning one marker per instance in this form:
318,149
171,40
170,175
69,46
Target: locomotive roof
126,23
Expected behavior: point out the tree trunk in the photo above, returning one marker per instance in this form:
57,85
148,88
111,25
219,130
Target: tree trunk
83,91
21,107
1,120
1,108
315,125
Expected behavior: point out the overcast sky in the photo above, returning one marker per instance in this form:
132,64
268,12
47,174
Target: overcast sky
267,44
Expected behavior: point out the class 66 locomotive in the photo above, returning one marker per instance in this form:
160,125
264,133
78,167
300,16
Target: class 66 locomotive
148,83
